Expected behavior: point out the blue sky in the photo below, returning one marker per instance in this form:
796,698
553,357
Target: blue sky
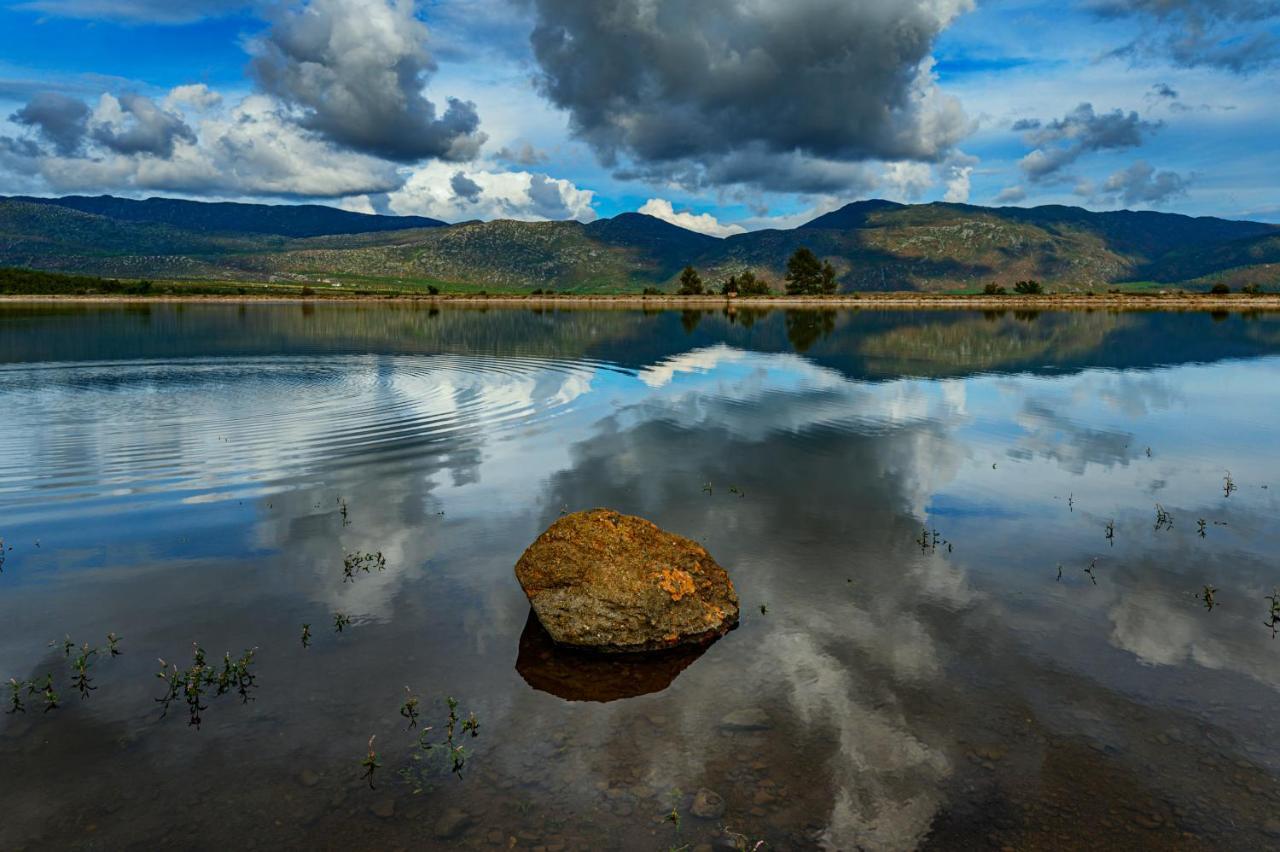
718,116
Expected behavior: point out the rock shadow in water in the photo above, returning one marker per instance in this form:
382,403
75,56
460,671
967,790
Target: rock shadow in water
576,675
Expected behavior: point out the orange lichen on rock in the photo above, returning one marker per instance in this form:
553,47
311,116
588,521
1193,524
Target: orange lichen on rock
675,582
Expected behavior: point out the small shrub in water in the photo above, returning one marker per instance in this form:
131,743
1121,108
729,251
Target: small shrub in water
361,562
370,764
409,709
196,681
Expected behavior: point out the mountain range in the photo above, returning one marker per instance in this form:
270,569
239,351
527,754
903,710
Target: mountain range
874,245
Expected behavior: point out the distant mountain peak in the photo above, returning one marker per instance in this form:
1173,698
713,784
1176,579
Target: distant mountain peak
852,215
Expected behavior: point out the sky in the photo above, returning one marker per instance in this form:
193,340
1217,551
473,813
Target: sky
717,115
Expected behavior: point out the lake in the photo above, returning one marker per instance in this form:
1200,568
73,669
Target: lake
1004,576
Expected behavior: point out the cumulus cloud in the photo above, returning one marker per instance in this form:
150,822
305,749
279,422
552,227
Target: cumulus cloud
712,93
1061,142
196,96
957,172
1234,35
354,71
1011,195
523,155
1142,184
246,150
60,119
135,124
464,187
528,196
703,223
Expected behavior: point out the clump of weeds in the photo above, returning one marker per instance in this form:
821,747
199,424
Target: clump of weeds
340,620
194,683
1206,597
361,562
1164,521
433,754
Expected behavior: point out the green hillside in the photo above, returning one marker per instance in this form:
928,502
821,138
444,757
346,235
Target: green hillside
874,245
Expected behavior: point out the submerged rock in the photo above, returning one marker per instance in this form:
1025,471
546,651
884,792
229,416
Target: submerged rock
618,583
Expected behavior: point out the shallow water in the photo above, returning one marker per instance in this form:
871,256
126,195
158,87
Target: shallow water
176,473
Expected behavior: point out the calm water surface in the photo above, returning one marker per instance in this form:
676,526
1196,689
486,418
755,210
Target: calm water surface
176,473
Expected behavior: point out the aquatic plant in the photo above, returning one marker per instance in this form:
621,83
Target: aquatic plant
733,489
1111,532
1200,524
1228,484
763,609
707,488
1163,519
361,562
1273,615
409,709
306,635
340,621
15,695
81,668
1092,564
1071,502
1059,572
450,750
370,764
1,555
343,511
200,677
1207,598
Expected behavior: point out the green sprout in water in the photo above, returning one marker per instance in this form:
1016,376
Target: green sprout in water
1163,519
763,609
81,668
341,620
15,696
1207,597
370,764
1200,525
707,488
409,709
1092,564
1228,484
306,635
1111,532
361,562
1273,616
45,691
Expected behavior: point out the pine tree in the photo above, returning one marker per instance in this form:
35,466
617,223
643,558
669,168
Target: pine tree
804,273
690,282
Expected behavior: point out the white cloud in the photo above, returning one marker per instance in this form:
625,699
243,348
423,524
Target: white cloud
703,223
529,196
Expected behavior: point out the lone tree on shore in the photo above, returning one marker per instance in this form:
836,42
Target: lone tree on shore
690,282
808,276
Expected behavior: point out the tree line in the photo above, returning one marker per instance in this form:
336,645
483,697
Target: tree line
806,276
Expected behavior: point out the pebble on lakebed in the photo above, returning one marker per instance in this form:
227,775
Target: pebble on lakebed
617,583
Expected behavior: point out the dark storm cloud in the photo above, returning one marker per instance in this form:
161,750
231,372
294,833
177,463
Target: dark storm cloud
1061,142
1142,184
675,88
1234,35
354,71
58,118
464,187
142,128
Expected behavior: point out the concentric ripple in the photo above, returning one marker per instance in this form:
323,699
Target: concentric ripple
209,429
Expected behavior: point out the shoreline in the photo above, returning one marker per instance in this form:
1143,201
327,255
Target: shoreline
1109,301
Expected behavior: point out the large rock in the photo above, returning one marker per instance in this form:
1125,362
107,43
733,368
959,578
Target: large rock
617,583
